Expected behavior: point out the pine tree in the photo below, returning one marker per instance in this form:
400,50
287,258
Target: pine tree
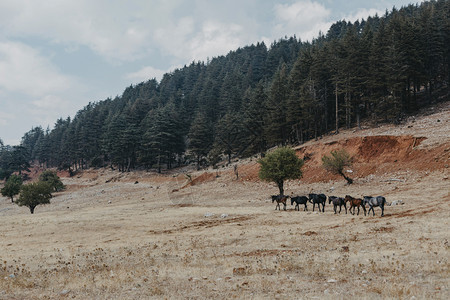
200,137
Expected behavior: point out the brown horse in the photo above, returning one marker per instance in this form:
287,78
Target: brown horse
355,202
280,199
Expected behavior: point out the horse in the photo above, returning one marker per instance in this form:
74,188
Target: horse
375,201
337,201
299,200
319,199
355,202
279,199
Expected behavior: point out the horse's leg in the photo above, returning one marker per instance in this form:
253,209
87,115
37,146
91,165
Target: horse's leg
358,211
284,204
382,211
345,205
306,208
364,208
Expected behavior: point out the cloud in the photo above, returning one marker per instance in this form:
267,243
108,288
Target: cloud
215,39
363,14
116,30
25,70
146,73
189,41
304,19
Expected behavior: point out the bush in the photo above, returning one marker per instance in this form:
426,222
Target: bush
53,179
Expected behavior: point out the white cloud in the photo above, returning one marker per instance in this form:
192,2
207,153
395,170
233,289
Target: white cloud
187,43
304,19
118,30
364,14
215,39
146,73
23,69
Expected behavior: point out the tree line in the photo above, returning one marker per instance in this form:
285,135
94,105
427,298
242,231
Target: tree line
240,104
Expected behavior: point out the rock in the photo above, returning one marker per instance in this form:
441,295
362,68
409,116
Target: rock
64,292
223,216
397,202
331,280
109,202
12,276
208,214
364,272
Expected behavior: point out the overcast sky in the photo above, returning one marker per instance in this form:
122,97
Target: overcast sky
58,55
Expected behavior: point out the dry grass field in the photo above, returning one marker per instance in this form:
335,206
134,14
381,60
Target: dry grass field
141,235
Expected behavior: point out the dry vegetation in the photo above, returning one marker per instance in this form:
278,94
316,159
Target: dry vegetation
142,235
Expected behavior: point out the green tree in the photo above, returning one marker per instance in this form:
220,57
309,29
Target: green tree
336,163
200,137
34,194
53,179
280,165
12,187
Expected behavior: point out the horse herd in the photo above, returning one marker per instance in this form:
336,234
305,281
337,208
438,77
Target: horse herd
321,199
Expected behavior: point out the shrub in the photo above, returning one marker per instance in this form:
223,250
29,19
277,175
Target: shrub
53,179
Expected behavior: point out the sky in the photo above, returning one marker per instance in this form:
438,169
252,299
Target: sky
56,56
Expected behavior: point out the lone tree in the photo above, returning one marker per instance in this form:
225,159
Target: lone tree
12,187
33,194
280,165
336,163
53,179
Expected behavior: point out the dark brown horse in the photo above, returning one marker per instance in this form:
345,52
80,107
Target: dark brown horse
355,202
280,199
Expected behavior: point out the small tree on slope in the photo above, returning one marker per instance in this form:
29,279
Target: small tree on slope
12,187
280,165
33,194
336,163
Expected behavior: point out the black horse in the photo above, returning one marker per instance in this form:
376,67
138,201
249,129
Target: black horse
299,200
375,201
318,199
337,201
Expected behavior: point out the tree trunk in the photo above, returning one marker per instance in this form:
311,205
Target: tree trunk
12,199
349,180
281,188
337,111
32,209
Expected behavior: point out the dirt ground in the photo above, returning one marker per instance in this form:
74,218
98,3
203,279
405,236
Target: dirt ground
193,235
